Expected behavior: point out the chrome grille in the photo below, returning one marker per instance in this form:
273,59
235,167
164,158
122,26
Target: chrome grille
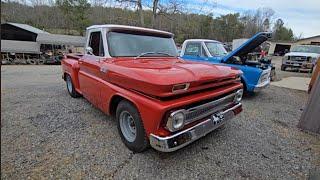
204,110
298,58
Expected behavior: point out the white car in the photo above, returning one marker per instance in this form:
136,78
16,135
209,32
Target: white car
302,57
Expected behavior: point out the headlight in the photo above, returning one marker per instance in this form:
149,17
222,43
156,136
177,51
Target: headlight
176,120
313,60
238,96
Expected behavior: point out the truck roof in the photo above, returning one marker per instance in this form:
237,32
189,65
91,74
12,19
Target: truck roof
202,40
115,27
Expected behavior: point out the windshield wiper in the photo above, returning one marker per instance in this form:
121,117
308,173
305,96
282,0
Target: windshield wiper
146,53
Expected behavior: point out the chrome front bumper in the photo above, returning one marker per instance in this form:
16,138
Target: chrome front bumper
265,78
298,65
187,136
261,86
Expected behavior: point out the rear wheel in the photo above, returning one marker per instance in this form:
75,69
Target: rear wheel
283,67
70,87
130,127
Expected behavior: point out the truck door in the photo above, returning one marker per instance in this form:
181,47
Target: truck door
89,73
195,51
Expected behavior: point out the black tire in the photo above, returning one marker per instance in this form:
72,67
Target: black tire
273,75
311,70
41,61
140,143
283,67
32,61
71,90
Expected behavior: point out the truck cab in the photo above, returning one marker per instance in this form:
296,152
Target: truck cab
256,75
157,99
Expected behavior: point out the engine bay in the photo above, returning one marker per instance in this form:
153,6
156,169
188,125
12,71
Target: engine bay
262,63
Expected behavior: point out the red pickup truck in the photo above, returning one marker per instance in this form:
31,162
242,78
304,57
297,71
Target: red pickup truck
157,98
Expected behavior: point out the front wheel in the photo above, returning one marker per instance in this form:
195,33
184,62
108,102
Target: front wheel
283,67
70,87
130,127
273,75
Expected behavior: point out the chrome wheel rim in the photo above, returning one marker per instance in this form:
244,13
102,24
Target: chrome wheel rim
69,84
127,126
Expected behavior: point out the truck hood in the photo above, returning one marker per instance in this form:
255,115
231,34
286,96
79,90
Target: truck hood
157,76
249,45
315,55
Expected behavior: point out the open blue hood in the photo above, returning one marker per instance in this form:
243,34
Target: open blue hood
249,45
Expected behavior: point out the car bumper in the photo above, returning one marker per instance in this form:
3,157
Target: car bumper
298,65
185,137
261,86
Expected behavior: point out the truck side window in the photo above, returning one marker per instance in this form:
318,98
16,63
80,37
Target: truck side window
96,43
193,49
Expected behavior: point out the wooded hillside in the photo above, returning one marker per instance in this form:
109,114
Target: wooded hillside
72,16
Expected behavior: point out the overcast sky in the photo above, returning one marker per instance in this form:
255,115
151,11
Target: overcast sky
302,16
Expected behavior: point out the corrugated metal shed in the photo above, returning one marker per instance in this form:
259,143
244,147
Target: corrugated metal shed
61,39
28,28
20,47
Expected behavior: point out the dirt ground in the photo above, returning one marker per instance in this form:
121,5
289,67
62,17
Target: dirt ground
47,134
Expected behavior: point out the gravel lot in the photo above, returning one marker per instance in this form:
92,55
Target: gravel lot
47,134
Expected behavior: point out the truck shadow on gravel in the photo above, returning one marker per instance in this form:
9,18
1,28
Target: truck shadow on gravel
251,95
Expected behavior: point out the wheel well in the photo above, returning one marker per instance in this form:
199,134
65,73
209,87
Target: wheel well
244,84
115,100
65,75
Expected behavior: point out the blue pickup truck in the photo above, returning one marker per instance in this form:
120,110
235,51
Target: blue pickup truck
256,74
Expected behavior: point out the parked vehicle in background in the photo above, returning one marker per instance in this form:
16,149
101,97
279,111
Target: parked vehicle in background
256,74
157,98
301,57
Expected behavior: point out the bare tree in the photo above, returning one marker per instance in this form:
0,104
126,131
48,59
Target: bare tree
138,4
154,12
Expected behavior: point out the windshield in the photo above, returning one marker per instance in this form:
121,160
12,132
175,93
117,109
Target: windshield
132,45
216,49
307,49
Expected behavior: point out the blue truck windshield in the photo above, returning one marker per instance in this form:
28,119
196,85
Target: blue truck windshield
216,49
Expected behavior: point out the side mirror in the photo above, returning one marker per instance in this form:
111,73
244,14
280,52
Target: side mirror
89,50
